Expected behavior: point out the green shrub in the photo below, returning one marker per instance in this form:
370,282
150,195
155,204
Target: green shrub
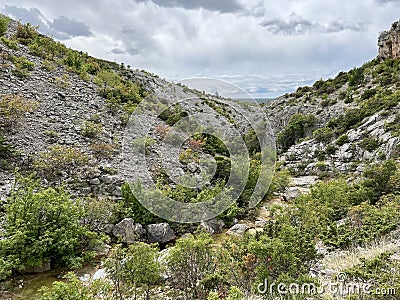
382,271
378,180
356,77
12,44
173,115
366,223
134,271
192,262
330,149
22,66
343,139
14,107
74,59
91,129
369,144
42,224
26,33
47,48
73,288
4,21
323,135
132,208
368,94
297,128
57,159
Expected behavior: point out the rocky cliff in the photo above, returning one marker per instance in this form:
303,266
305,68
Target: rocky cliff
389,42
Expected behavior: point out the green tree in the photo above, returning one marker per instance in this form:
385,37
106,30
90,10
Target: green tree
191,262
4,21
42,224
378,179
75,289
136,269
299,126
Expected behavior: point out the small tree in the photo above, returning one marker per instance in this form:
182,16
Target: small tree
134,270
106,79
189,263
13,108
4,21
75,289
42,224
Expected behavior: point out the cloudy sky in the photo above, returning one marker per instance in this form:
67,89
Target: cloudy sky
266,47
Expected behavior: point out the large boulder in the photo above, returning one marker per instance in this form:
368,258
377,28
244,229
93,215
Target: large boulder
160,233
238,229
291,193
127,231
213,226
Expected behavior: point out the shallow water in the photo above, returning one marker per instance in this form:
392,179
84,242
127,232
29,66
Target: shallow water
28,288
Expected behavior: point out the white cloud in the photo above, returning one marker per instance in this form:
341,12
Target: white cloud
267,42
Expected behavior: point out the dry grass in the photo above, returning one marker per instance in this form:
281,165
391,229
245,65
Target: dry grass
341,260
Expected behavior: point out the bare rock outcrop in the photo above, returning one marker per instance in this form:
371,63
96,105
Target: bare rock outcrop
389,42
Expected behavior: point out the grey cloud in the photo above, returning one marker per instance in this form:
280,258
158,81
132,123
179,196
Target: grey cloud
61,27
223,6
117,51
386,1
296,25
132,51
31,15
128,31
70,27
258,10
337,27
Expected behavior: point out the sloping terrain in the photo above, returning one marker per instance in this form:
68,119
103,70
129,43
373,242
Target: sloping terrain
65,130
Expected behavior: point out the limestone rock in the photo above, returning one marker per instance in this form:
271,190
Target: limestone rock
389,42
238,229
304,181
213,225
160,233
126,231
291,193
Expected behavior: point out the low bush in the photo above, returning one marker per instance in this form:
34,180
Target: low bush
343,139
91,129
12,44
57,159
4,21
22,66
323,135
42,224
14,107
369,144
298,127
26,33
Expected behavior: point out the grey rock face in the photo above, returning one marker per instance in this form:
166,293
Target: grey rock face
160,233
125,231
238,229
389,42
213,226
291,193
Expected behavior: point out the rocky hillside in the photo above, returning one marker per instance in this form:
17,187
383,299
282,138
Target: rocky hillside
389,42
73,128
343,124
